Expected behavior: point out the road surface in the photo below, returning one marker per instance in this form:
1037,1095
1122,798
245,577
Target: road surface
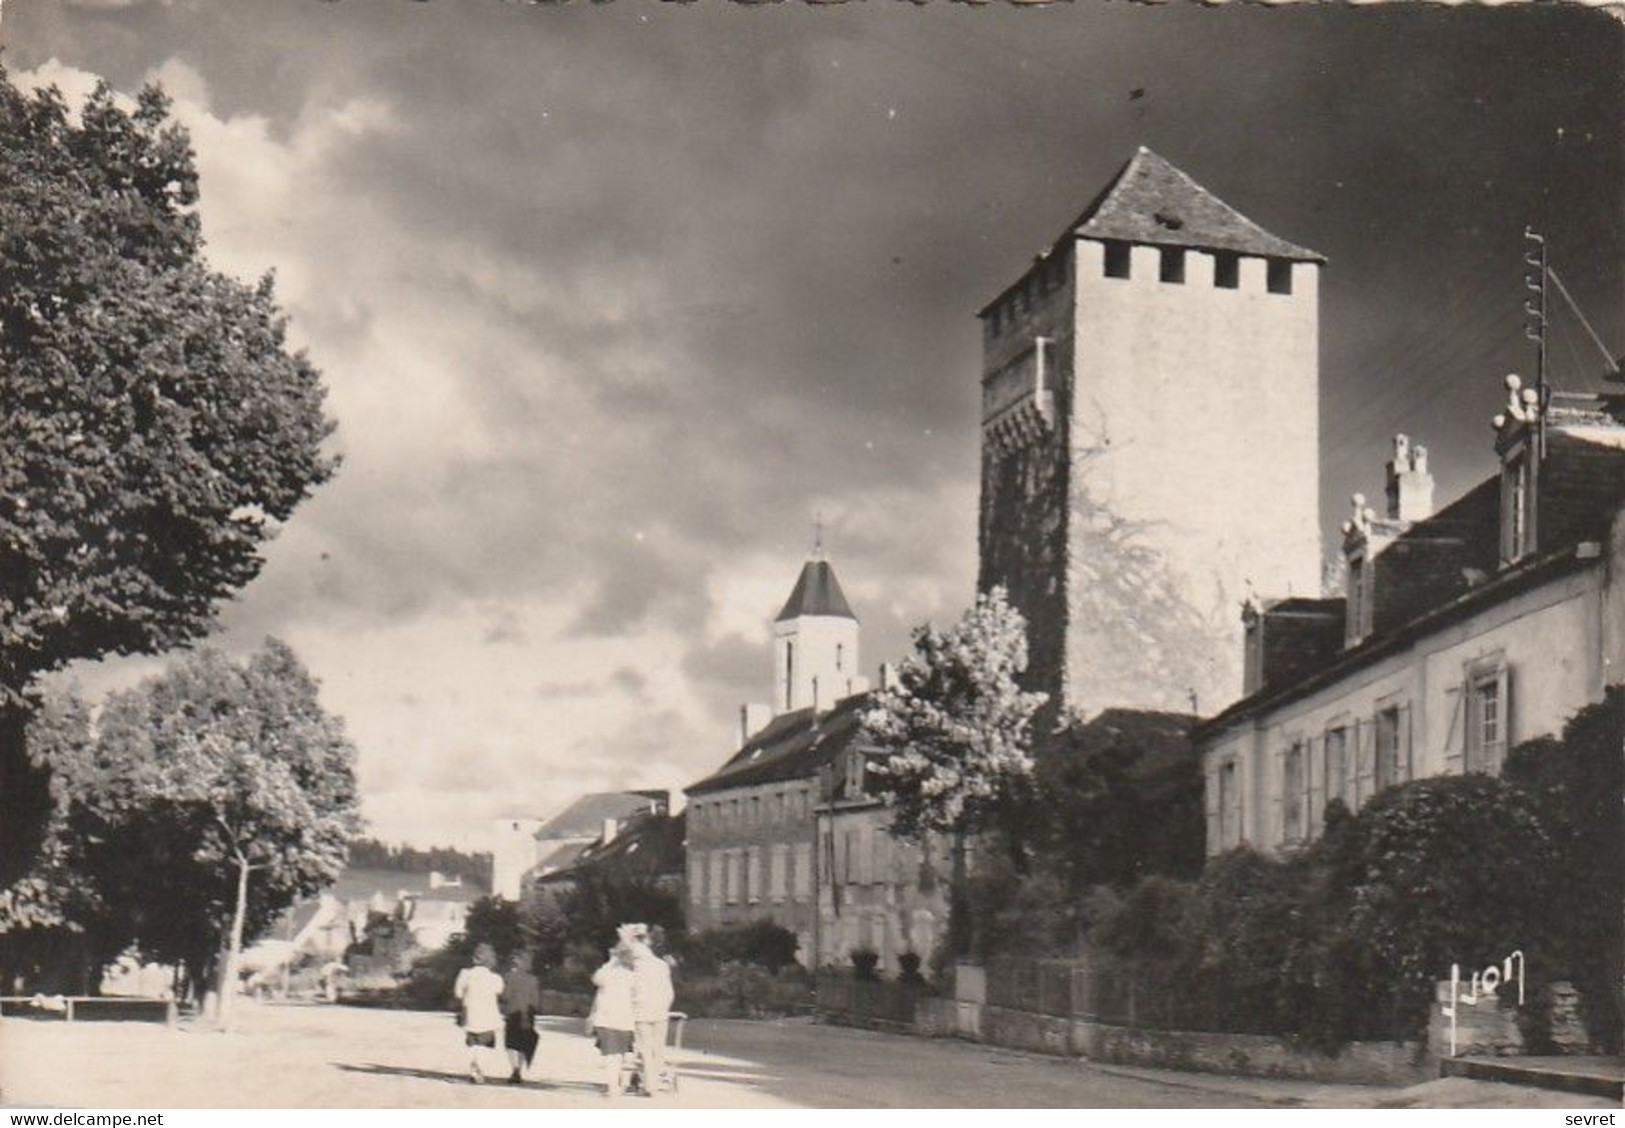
284,1056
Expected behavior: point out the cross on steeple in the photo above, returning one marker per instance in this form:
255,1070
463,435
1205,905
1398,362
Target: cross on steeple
818,535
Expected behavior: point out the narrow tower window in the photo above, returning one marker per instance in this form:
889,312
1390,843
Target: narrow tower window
789,675
1117,260
1280,276
1173,264
839,654
1226,271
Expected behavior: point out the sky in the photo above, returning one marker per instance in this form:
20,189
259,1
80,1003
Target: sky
611,299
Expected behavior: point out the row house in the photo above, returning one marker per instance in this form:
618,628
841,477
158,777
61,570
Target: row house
876,892
786,829
1463,632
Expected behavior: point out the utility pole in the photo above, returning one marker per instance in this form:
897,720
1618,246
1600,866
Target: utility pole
1534,280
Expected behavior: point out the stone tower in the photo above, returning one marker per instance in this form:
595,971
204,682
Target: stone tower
815,642
1150,393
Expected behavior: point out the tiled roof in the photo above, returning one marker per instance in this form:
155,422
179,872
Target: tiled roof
649,846
817,592
1449,565
1151,201
792,746
585,817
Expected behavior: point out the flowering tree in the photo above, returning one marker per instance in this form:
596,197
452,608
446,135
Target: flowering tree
954,734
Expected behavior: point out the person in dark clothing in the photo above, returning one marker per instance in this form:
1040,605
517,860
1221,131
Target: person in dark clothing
521,999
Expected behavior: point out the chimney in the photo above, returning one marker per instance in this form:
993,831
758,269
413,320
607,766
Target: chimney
1410,486
752,718
610,826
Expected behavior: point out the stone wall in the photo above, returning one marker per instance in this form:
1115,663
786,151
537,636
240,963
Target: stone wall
965,1011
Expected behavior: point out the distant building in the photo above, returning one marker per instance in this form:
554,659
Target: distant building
529,848
429,908
752,831
1135,363
1463,633
646,849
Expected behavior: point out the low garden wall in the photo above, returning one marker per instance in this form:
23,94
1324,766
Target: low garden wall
1043,1006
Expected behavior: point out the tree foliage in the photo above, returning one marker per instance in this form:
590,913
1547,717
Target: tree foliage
1578,784
954,734
154,426
1343,940
206,775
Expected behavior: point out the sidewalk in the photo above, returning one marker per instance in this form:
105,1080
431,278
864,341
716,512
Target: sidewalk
1450,1092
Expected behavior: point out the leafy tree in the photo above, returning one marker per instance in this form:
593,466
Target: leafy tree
1120,799
226,792
954,735
154,426
1578,784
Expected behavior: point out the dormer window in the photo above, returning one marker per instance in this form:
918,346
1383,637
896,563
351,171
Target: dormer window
1516,526
1359,600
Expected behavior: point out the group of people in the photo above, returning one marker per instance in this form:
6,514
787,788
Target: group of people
631,1006
498,1012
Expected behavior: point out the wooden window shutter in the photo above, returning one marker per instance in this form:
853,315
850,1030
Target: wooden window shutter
1405,769
1277,830
1314,775
1210,797
1455,740
1497,755
1365,755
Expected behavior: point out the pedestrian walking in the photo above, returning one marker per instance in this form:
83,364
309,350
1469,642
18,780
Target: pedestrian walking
611,1018
521,999
478,991
652,996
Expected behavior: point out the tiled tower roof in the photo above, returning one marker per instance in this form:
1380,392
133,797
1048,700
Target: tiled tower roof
817,592
1151,201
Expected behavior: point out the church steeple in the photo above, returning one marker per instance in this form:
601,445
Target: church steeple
815,639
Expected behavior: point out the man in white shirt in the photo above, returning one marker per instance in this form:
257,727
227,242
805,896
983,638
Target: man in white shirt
652,996
479,999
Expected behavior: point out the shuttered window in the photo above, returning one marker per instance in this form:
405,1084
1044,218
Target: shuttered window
1294,794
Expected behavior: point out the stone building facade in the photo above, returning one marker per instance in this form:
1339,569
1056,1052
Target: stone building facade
752,833
1128,368
1464,633
875,892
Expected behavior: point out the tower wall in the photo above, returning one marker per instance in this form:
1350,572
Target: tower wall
1195,410
1022,526
825,649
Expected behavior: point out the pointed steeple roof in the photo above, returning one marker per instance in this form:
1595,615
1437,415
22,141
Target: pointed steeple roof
817,592
1151,201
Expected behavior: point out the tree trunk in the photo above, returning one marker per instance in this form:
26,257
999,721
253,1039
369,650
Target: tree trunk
227,985
960,931
25,797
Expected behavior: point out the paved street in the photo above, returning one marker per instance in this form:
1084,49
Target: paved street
314,1056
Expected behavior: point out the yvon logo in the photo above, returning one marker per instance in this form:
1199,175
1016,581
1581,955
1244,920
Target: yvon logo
1483,985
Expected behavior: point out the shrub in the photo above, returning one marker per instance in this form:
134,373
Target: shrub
1578,786
1345,939
864,963
1450,870
762,943
908,968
